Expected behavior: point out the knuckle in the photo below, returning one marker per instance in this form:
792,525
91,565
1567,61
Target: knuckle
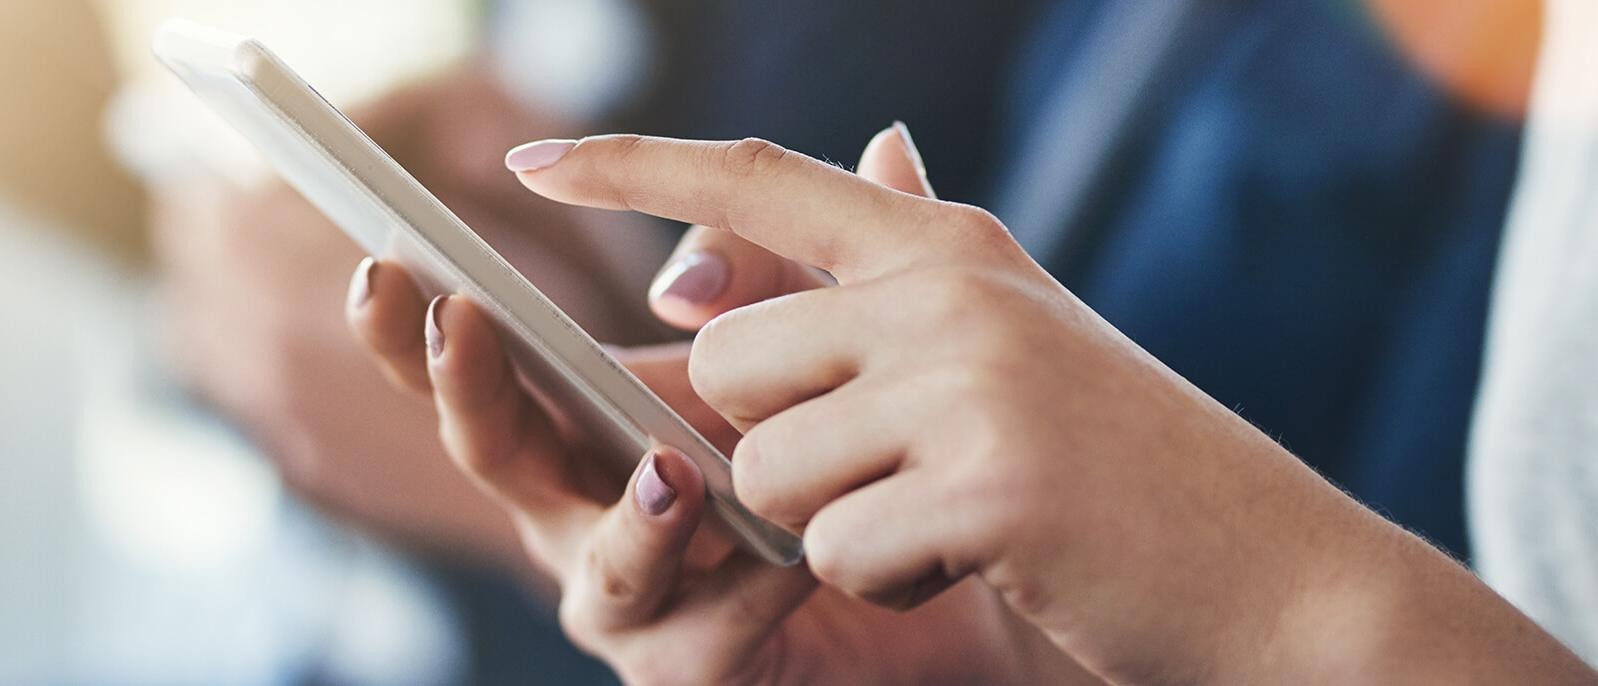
752,157
489,470
583,614
748,474
624,152
824,552
487,463
957,293
1023,593
576,620
987,432
703,377
980,228
975,394
975,486
620,148
974,309
993,501
968,410
706,363
625,145
613,587
976,221
979,232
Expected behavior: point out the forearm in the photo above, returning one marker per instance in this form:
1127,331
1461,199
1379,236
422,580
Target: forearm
1400,611
1334,593
1292,581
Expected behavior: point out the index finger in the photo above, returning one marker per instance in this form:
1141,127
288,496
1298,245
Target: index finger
791,204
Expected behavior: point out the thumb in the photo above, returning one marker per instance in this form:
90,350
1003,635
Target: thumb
891,159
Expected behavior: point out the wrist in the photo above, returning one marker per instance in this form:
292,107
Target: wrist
1337,619
1383,605
1306,587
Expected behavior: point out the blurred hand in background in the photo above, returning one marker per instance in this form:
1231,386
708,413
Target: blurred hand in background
251,279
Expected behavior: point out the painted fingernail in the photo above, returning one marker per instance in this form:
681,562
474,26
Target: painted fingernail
697,278
914,152
654,496
361,289
537,154
434,330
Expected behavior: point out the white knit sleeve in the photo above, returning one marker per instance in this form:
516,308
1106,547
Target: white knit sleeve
1533,477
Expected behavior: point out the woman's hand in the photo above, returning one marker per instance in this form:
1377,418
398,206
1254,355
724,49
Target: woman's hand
643,586
950,410
250,279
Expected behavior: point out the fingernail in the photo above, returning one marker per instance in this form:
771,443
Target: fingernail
434,330
653,495
537,154
361,290
697,278
914,152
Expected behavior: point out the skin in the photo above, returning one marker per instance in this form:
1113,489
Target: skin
284,366
288,374
950,417
636,587
286,370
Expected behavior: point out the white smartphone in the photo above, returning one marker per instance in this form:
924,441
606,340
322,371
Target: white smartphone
380,205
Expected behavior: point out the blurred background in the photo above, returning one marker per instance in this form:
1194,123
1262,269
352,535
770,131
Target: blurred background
145,541
1295,203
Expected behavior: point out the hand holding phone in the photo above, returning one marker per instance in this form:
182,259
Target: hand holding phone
329,160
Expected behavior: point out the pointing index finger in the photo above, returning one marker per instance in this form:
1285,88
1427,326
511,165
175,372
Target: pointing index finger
788,203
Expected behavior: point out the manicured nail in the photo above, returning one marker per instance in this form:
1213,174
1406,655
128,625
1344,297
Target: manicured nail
654,496
434,329
361,289
914,152
697,278
537,154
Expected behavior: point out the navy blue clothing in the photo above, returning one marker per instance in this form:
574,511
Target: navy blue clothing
823,76
820,76
1306,229
1301,224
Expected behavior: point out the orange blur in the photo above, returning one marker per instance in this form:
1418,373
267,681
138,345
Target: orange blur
1484,51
